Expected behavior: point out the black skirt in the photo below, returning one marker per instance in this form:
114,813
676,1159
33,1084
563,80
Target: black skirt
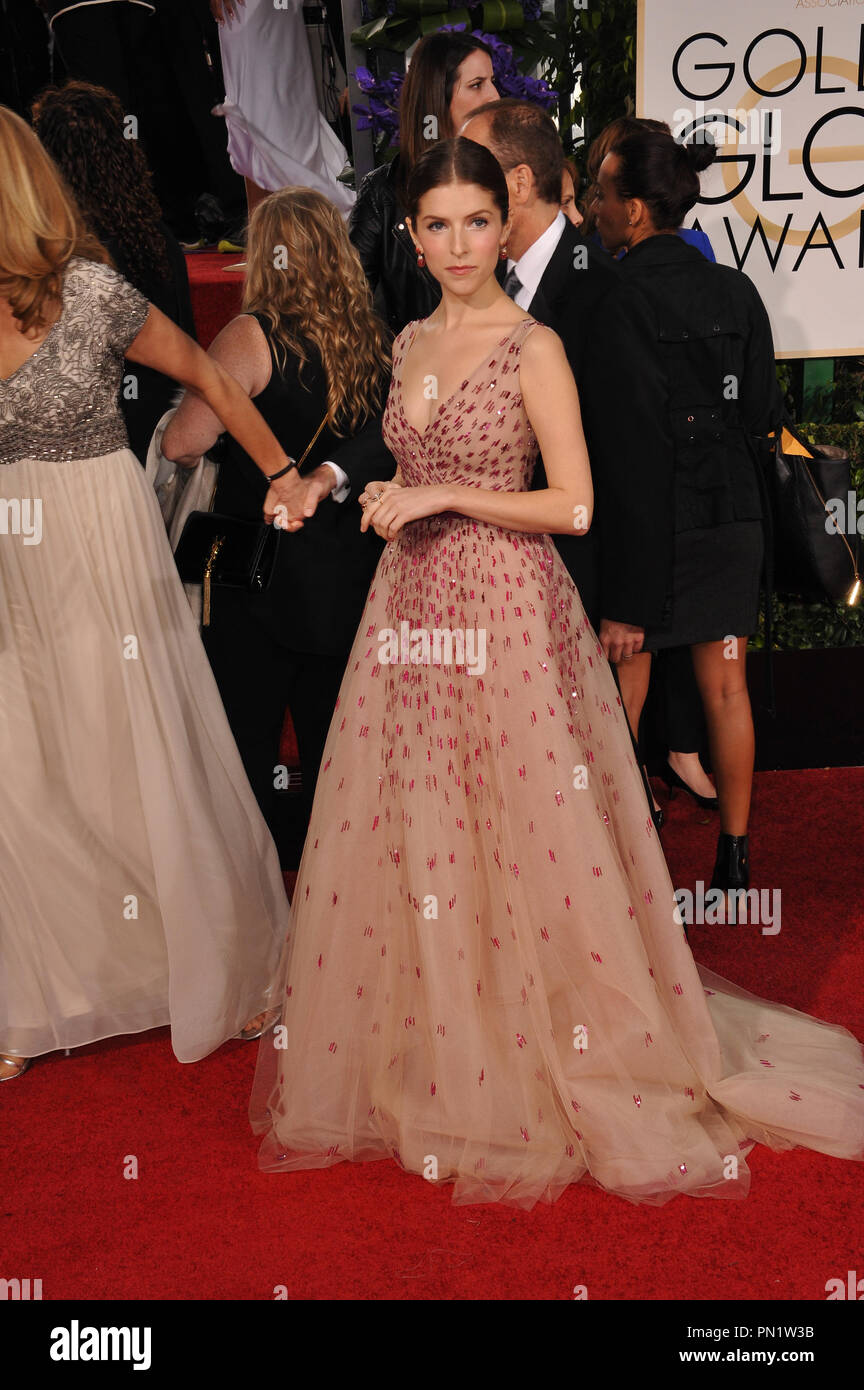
715,586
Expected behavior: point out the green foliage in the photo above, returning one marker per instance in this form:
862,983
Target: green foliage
604,46
798,626
843,397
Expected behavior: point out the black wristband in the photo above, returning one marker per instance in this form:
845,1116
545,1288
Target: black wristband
271,477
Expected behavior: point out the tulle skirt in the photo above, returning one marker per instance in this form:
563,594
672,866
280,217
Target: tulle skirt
139,885
487,976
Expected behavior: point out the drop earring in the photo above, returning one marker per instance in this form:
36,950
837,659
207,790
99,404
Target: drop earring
502,254
421,259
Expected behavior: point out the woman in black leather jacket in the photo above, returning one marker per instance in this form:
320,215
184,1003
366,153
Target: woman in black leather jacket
449,76
721,400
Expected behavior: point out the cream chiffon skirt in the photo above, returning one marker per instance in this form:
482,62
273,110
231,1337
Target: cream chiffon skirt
139,885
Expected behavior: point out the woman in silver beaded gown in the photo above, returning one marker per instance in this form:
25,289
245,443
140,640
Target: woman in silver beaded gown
139,885
487,977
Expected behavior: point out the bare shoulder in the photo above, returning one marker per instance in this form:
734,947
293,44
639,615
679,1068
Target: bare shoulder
542,349
242,349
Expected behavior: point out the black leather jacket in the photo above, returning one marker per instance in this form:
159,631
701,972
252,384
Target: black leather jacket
403,292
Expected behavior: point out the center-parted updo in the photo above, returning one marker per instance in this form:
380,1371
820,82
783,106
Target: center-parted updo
457,161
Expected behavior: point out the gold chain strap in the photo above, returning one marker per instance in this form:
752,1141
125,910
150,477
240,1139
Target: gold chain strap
312,441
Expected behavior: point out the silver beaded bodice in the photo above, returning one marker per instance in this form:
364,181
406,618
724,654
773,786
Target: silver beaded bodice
62,402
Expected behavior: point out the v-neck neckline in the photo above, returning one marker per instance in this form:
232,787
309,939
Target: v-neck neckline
421,434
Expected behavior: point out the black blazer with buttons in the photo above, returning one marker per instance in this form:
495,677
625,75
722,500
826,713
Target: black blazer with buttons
713,340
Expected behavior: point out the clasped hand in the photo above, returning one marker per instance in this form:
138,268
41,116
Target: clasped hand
388,506
292,500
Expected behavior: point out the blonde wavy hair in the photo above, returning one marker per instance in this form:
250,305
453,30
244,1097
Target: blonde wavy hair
41,228
304,276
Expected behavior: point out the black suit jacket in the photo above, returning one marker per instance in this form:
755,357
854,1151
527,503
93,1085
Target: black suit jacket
623,567
569,299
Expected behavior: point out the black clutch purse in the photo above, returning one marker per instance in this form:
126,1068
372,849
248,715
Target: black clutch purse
229,550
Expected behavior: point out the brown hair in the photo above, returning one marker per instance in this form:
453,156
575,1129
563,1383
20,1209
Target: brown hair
82,128
522,133
305,277
41,229
427,91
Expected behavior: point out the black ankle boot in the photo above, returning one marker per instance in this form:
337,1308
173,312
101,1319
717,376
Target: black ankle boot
732,866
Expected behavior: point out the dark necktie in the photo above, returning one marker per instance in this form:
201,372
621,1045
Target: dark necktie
512,284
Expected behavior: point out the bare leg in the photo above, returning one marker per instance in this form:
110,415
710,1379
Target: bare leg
634,677
722,679
254,195
633,680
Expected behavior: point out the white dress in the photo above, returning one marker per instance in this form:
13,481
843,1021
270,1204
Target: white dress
277,136
138,883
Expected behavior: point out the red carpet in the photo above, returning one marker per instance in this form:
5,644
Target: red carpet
215,291
200,1221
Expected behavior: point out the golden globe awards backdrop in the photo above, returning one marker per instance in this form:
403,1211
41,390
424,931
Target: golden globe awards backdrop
780,86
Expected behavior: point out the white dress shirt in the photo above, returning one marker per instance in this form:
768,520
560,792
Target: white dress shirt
533,262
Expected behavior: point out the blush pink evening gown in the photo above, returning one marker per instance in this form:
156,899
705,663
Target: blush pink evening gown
485,977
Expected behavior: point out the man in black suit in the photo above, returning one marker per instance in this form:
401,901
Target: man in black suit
579,292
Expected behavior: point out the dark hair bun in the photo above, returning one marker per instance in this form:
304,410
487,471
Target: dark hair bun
702,152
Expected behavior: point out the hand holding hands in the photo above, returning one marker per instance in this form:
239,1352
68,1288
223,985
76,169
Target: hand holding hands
292,500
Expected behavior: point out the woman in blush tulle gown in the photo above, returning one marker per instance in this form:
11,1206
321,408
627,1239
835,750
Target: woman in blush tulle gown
486,977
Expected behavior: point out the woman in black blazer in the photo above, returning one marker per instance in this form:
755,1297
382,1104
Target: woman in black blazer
449,76
308,349
720,400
